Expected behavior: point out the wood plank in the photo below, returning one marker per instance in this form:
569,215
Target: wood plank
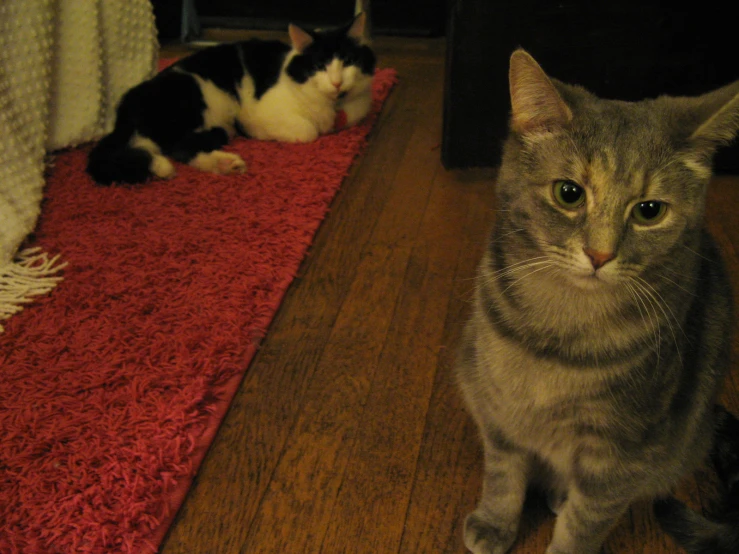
376,487
449,467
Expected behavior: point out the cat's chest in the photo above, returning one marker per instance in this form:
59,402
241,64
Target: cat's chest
540,402
286,113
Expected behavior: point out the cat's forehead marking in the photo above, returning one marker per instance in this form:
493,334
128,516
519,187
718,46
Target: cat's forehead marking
599,173
613,182
620,141
600,170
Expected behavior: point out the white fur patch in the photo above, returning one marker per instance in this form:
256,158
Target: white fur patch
159,165
162,167
145,143
293,112
334,74
222,108
288,112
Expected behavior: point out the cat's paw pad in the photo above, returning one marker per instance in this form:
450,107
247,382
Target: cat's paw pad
162,167
228,164
485,537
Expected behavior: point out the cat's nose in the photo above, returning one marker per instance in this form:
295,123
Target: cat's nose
337,84
598,259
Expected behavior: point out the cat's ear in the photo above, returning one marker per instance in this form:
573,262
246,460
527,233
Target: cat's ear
536,106
357,29
718,115
300,39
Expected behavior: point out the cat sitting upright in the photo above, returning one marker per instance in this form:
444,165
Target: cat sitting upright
601,327
265,89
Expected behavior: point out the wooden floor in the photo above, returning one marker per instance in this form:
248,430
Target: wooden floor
347,434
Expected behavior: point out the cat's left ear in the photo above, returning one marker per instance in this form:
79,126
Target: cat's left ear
717,114
300,39
357,29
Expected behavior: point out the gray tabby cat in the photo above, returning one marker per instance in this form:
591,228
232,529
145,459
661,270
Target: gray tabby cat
600,331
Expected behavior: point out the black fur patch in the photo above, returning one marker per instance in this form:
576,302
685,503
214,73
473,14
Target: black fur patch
220,64
263,61
194,143
112,162
164,108
326,46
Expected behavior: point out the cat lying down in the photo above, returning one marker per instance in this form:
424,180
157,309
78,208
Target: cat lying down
266,90
601,328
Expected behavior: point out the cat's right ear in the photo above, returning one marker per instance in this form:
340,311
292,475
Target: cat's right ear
358,29
536,106
718,113
299,39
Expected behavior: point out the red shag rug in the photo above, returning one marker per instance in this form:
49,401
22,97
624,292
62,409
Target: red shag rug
113,386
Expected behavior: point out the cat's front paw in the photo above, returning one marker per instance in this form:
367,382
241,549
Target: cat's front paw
230,163
217,161
482,536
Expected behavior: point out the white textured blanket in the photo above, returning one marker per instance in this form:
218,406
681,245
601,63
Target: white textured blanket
64,64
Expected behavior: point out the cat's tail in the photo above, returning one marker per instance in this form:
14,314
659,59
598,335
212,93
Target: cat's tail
114,160
694,532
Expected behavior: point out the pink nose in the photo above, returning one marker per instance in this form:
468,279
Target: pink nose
598,259
336,85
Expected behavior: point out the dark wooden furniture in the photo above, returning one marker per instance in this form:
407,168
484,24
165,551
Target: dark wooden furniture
627,50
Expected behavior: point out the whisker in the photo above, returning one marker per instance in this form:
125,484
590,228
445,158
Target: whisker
496,239
500,271
698,254
644,286
680,274
674,283
504,272
512,271
651,302
517,264
655,291
639,304
527,275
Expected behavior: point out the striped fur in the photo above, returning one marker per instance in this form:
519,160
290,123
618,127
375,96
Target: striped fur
717,532
595,379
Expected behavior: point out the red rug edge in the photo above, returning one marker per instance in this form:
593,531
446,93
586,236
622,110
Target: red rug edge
179,494
227,392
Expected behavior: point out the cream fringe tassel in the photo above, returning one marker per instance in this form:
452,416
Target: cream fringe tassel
31,274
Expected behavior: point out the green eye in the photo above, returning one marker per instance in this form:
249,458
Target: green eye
649,212
568,194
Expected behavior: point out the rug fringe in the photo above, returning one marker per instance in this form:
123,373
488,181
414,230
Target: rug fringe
31,274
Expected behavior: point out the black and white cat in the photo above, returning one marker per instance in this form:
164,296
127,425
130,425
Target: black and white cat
266,90
718,533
